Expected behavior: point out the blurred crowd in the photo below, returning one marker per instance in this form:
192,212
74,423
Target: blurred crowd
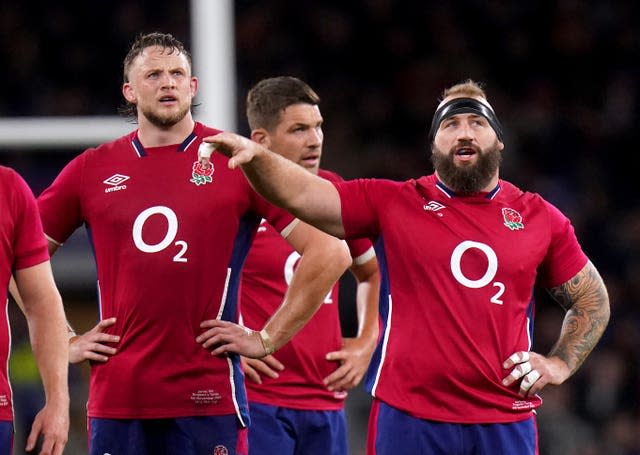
563,76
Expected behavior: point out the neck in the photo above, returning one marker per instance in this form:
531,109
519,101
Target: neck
151,135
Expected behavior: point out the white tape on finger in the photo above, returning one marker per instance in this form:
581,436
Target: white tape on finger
519,357
521,370
529,379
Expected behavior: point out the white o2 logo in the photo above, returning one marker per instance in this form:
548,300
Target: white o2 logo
172,230
489,274
289,265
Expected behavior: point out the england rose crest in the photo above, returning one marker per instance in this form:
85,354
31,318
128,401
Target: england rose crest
220,450
200,175
512,219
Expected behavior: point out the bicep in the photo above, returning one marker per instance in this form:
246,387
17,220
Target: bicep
586,285
34,284
320,206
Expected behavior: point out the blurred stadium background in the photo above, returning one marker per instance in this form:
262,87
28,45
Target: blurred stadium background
562,75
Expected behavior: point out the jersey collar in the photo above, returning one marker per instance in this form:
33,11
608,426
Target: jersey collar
139,149
451,194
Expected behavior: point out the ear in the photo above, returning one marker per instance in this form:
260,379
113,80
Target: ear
194,86
500,146
261,136
129,93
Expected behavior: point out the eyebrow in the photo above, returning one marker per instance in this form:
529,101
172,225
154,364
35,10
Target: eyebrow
470,114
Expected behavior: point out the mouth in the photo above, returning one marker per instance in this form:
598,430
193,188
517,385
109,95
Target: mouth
465,153
168,99
311,160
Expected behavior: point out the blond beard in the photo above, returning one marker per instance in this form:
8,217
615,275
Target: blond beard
166,120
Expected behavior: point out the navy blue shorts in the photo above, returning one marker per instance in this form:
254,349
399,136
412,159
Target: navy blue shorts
6,437
207,435
285,431
392,432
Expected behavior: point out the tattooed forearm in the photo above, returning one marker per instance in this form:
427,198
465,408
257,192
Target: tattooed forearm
585,299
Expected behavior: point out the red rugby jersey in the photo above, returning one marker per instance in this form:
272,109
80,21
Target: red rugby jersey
22,245
169,240
457,291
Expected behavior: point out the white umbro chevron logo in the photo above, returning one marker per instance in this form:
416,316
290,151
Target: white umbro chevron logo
433,206
115,181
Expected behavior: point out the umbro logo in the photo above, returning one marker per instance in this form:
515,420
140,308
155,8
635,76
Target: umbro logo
115,181
435,207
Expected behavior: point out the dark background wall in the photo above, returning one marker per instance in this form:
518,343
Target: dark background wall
563,77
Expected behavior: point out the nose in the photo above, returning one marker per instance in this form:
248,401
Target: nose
464,131
167,80
316,136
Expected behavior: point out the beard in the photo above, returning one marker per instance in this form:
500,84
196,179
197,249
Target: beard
165,120
468,179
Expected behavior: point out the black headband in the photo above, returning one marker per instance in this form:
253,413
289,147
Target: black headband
464,106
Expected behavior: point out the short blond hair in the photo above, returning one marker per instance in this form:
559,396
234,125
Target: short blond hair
466,89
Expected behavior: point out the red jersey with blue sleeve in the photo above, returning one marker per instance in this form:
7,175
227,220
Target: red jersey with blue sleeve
265,279
456,296
22,245
169,240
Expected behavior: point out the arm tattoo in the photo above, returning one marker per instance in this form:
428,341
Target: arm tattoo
584,298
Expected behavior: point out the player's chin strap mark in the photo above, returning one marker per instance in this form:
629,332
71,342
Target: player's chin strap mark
464,106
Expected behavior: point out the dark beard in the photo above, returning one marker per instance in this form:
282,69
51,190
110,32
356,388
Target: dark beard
467,179
165,121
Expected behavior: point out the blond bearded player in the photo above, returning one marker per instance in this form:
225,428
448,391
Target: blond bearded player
170,237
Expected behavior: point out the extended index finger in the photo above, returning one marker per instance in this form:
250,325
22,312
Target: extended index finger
223,143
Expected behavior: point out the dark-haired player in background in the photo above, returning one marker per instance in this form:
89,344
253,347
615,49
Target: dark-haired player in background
296,396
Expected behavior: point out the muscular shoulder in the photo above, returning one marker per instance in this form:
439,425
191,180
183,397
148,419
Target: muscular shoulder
11,183
208,131
510,193
109,150
11,189
7,175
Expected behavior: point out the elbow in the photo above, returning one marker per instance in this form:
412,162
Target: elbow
340,255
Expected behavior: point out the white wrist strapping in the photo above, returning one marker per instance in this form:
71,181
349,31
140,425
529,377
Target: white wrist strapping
267,342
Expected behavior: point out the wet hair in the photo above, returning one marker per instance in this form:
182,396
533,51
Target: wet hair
270,97
166,41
